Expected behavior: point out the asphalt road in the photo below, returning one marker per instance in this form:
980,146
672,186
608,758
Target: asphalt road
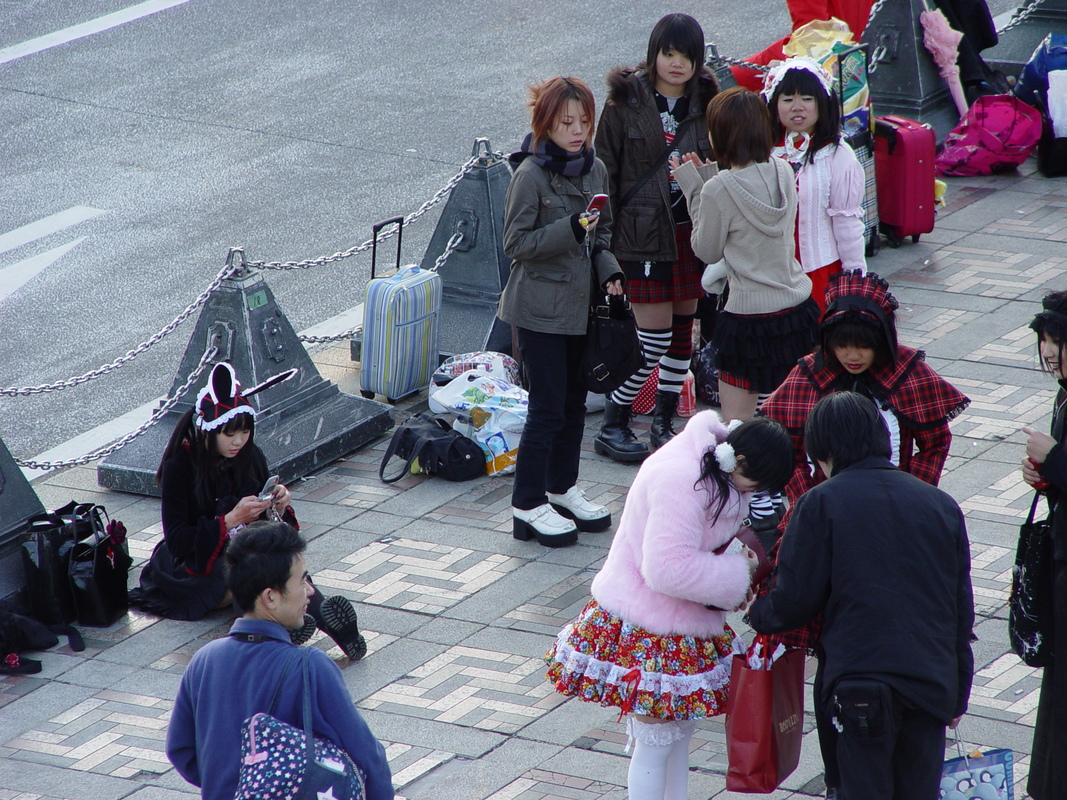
139,154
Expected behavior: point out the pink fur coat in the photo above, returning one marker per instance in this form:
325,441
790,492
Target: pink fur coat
661,572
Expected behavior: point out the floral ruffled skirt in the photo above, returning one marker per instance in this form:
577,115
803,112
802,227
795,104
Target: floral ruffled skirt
601,658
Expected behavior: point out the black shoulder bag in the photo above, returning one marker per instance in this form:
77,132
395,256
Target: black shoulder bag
1030,605
439,449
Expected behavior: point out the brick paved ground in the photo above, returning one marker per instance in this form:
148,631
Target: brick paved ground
457,613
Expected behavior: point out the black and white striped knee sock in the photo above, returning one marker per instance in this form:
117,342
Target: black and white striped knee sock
654,343
675,362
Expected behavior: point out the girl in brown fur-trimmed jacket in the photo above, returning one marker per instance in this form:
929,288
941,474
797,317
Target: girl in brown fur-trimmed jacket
660,104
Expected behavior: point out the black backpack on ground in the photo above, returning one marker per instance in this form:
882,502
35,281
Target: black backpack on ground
438,448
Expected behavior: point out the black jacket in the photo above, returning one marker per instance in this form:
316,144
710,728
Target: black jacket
885,557
1054,470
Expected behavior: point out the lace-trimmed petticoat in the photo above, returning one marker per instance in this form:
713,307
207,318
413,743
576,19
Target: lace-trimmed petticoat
601,658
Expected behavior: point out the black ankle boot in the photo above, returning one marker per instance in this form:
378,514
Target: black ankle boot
336,617
662,429
616,440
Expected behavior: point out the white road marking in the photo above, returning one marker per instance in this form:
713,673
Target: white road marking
100,436
86,29
47,226
14,276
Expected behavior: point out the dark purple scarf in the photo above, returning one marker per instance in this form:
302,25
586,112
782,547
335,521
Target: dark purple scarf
552,157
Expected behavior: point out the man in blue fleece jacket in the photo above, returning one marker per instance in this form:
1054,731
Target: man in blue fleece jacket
230,679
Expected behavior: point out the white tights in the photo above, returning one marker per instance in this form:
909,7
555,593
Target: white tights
659,767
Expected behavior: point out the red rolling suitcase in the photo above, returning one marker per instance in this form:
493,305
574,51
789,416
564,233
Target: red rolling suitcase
904,152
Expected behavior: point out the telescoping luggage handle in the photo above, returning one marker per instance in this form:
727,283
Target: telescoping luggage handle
399,221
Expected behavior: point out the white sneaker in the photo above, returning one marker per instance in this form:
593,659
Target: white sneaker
545,525
587,515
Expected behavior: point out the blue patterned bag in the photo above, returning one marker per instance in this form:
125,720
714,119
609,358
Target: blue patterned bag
282,762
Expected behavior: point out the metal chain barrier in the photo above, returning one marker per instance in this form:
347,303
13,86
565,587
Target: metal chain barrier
453,243
441,194
737,62
224,273
1021,14
235,264
157,415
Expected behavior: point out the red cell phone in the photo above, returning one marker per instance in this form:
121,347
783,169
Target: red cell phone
1042,483
597,203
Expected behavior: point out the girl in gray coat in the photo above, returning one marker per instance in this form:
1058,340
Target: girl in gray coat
557,252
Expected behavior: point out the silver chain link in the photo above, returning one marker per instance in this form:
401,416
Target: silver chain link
224,273
157,415
737,62
1021,14
453,243
441,194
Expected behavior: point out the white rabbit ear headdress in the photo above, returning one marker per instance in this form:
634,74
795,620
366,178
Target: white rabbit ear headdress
222,399
775,75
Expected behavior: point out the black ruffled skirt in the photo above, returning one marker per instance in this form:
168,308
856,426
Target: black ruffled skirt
756,351
170,590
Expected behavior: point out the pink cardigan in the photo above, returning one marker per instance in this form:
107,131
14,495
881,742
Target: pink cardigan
661,572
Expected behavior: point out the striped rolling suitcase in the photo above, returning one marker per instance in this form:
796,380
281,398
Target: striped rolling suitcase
400,326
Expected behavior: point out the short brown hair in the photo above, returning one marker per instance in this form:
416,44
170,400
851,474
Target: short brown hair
548,99
739,126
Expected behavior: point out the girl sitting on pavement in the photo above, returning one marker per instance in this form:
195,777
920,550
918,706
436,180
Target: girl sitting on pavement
654,641
210,479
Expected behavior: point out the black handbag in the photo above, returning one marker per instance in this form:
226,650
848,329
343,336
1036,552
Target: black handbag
612,351
1030,605
282,760
99,567
439,450
46,547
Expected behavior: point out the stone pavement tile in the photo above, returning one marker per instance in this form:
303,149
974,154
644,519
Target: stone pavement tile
429,735
443,630
45,781
161,793
540,784
1006,689
491,603
558,605
474,686
334,544
988,209
400,658
375,523
413,575
155,641
481,778
994,272
456,531
998,409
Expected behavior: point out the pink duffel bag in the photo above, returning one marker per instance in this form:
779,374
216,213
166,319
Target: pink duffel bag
996,134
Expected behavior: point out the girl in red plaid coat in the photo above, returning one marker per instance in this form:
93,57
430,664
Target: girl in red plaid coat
859,352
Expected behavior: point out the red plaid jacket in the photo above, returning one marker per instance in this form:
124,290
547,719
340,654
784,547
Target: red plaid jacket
923,403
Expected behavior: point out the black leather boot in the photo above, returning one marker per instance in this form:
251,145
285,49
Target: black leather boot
662,429
616,440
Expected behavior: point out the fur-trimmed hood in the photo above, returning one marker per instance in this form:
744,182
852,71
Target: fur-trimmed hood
626,84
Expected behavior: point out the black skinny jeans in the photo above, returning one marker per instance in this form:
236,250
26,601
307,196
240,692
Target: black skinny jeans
551,443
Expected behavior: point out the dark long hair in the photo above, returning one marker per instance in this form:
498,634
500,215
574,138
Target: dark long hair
679,32
1051,323
764,454
203,449
827,127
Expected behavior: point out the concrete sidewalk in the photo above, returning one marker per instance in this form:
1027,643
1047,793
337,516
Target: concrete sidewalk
458,614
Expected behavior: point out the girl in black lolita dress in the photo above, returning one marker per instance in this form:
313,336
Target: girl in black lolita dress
210,477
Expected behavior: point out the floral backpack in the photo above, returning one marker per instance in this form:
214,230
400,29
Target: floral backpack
996,134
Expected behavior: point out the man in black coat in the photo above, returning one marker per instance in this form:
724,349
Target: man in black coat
885,558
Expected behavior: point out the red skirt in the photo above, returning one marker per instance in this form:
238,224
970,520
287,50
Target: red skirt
684,283
601,658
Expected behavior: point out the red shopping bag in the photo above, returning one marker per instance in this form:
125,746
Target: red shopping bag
764,722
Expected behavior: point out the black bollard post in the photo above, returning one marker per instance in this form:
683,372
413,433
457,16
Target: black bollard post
18,501
1018,42
302,424
903,76
477,270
